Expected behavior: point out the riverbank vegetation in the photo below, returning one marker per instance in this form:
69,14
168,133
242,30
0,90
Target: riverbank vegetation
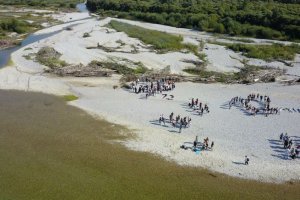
247,74
261,19
12,29
159,40
16,24
265,52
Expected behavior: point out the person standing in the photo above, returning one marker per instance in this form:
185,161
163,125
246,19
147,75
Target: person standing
212,145
180,126
246,160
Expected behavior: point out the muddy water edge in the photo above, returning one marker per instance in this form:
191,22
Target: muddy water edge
50,150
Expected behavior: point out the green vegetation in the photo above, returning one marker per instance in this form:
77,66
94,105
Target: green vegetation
245,75
160,40
203,74
121,68
275,19
70,97
140,70
244,40
14,25
49,150
52,62
50,58
265,52
42,3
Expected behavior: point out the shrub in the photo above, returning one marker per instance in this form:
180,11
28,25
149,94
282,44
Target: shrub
86,35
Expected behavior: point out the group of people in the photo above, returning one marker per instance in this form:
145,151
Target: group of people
264,101
205,144
289,145
245,102
200,146
176,121
152,87
197,105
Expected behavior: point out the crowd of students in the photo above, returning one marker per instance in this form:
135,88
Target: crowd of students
263,106
198,106
197,146
150,88
292,149
176,121
264,100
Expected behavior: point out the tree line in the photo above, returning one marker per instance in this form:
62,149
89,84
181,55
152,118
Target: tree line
269,19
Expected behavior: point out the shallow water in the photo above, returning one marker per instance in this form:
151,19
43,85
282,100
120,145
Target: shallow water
5,53
49,150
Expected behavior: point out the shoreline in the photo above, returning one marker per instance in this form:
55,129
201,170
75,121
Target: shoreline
97,96
57,161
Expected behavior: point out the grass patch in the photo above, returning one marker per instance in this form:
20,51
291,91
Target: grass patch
159,40
140,70
70,97
265,52
28,48
52,62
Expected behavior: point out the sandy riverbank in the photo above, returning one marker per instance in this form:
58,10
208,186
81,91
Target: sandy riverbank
234,133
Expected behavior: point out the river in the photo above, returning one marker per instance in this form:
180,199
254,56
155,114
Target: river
31,38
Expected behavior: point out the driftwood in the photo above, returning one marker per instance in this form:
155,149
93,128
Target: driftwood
82,71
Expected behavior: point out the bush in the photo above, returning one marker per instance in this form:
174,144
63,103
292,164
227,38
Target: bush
48,56
72,5
86,35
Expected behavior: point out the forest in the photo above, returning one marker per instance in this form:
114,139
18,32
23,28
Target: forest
270,19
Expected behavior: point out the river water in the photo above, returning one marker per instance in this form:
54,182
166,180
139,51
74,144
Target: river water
5,53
